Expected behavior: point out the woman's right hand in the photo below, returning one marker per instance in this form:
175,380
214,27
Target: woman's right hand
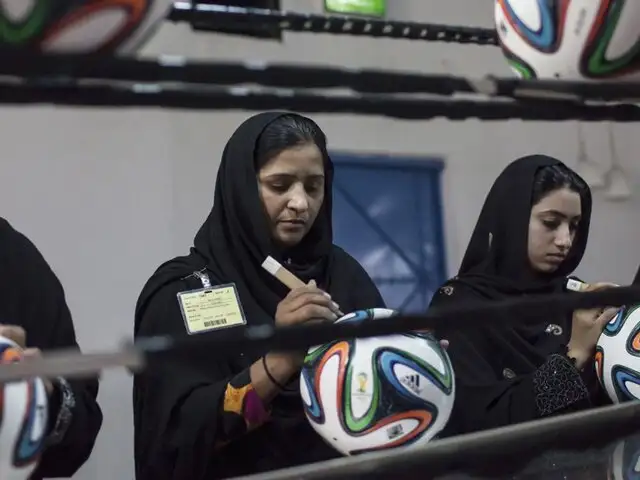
587,326
305,304
302,305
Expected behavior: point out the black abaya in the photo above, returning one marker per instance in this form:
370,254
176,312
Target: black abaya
178,415
514,372
33,298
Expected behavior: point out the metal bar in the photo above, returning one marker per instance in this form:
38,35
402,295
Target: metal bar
212,16
60,69
244,98
493,452
259,338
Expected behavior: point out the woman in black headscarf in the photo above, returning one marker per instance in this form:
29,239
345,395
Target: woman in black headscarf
532,233
210,418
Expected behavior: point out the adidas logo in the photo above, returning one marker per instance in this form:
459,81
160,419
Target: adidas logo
412,382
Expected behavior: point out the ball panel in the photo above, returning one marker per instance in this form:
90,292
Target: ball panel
533,21
616,323
435,364
97,26
33,425
599,361
21,22
394,431
632,345
626,383
310,400
602,58
521,68
80,26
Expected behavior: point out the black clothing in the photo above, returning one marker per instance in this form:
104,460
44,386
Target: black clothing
513,372
33,298
178,409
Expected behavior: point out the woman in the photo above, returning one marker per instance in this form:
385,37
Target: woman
213,418
35,315
532,233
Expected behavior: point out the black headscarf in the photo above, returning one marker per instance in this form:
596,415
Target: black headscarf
496,262
235,238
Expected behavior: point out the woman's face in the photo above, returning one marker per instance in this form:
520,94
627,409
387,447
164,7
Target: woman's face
291,186
552,229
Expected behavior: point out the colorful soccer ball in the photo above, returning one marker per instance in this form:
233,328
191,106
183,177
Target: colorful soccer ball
618,356
570,39
79,26
24,412
377,393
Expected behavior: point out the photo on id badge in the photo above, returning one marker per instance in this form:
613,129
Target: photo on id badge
212,308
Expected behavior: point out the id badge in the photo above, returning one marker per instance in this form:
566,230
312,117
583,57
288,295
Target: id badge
212,308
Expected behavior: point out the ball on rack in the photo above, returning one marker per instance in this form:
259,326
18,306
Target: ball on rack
570,40
618,356
24,413
376,393
80,26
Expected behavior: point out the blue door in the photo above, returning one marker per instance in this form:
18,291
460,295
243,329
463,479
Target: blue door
387,213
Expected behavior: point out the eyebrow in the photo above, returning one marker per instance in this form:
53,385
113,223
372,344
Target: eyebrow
557,213
315,176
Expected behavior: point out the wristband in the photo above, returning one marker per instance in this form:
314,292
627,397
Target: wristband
269,376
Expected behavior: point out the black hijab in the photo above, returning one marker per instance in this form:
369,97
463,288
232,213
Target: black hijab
235,239
496,262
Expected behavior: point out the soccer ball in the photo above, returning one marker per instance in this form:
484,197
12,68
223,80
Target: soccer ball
570,39
24,412
371,394
79,26
618,355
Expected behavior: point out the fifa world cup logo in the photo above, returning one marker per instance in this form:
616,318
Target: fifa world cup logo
362,382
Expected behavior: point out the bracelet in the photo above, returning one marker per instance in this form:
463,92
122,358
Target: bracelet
269,376
65,414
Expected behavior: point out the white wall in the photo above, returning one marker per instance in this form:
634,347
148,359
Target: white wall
109,194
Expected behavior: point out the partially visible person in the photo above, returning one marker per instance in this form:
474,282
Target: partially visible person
34,314
209,417
531,234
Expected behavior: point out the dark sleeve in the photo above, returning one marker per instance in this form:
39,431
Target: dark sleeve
355,284
75,417
185,411
484,398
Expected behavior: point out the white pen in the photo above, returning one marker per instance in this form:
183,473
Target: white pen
287,278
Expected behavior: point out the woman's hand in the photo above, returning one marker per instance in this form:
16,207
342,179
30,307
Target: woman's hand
303,305
587,326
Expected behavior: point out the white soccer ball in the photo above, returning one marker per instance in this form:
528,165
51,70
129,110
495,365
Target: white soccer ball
571,40
618,356
80,26
24,416
376,393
